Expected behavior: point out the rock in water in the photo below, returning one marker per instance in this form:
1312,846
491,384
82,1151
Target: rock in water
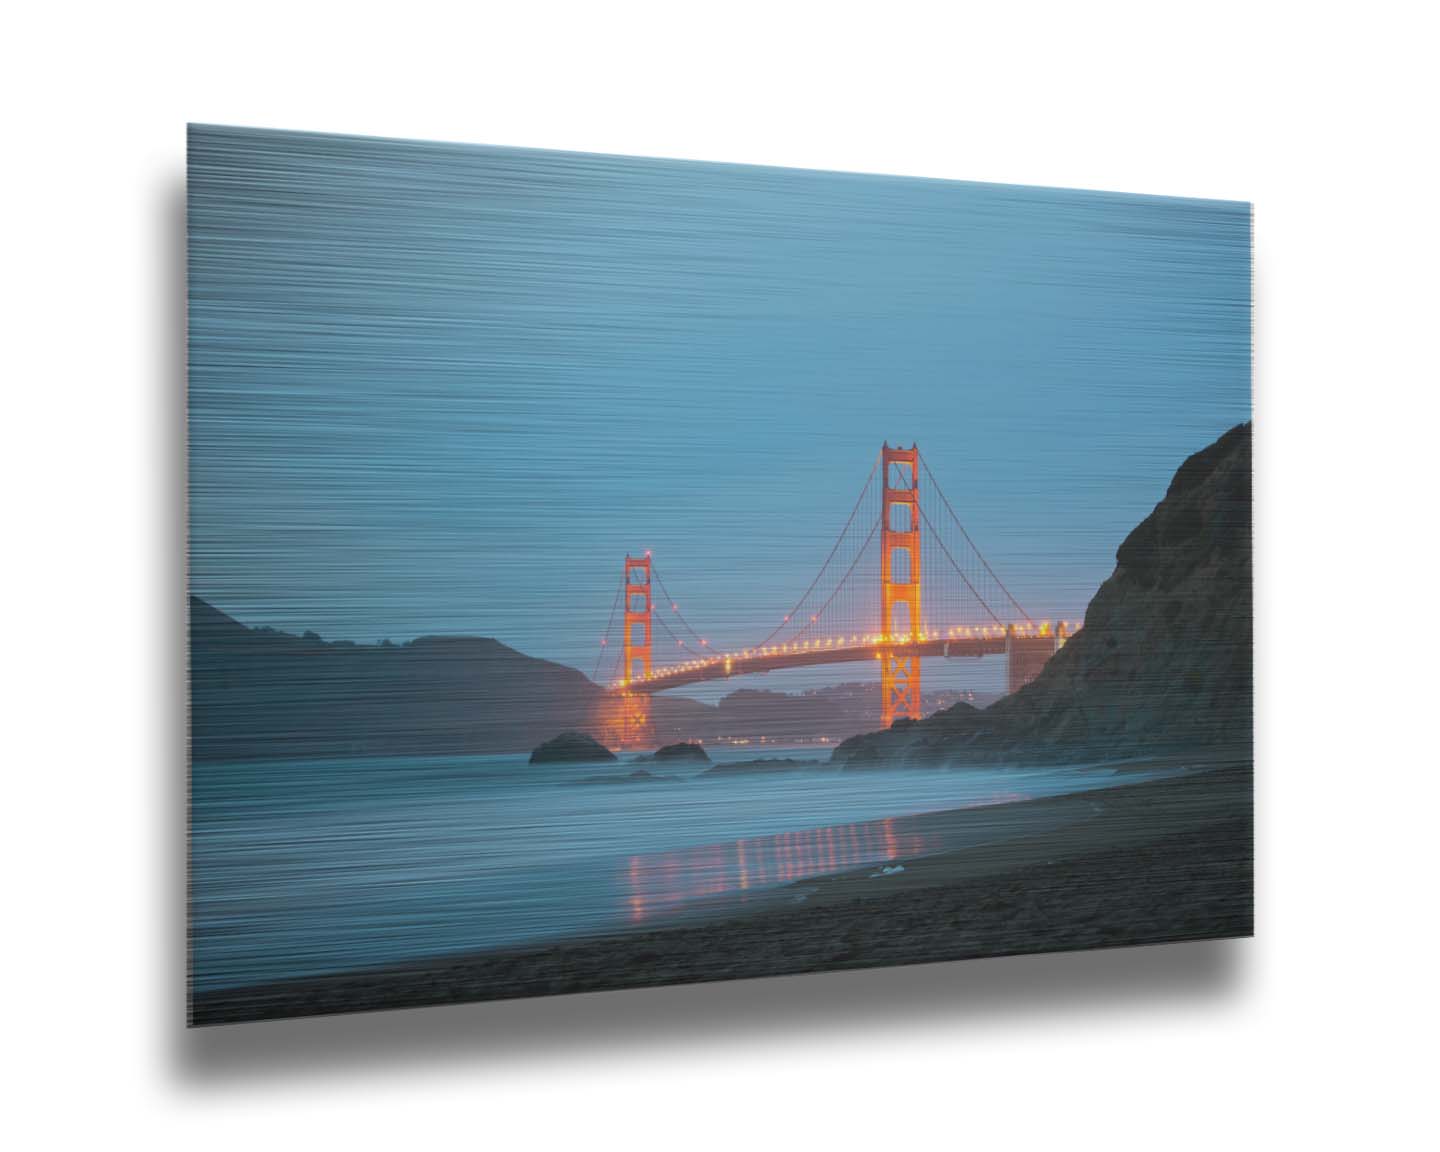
571,747
682,752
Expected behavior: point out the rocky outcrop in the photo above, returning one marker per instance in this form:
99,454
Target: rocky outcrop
571,747
682,754
1163,663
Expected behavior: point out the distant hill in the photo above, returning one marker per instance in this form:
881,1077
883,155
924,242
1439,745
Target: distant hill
1163,663
833,712
257,693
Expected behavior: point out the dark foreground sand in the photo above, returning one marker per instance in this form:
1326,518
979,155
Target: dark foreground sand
1136,864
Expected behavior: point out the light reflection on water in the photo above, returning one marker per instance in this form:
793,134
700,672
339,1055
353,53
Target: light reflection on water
658,883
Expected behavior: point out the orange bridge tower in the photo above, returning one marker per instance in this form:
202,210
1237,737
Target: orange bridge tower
636,730
899,584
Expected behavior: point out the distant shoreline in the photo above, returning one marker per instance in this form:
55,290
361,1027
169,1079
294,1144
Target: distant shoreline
1133,864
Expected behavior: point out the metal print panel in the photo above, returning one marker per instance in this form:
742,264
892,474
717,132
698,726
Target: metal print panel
609,572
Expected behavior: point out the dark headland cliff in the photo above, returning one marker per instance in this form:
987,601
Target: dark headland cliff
1163,664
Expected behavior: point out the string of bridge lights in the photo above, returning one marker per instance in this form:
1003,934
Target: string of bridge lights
1034,630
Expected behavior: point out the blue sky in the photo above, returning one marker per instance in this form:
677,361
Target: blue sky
444,389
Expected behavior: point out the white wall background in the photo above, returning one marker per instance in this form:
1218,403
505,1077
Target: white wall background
1320,1032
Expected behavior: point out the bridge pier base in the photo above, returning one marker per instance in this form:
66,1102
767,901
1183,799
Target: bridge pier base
624,722
899,687
1025,656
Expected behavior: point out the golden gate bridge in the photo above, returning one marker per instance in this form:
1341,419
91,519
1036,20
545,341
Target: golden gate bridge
902,538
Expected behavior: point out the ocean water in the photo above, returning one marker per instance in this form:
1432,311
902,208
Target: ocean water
307,867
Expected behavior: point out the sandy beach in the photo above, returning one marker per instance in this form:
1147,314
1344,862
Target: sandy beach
1137,863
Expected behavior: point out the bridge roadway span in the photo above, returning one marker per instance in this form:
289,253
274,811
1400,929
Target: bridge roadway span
738,664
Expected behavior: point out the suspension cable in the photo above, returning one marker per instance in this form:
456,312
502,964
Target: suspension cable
941,542
605,639
665,625
835,548
980,555
873,528
675,607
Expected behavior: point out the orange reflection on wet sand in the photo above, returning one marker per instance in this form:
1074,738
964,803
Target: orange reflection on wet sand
668,881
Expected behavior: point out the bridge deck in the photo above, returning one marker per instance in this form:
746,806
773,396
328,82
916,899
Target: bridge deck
720,667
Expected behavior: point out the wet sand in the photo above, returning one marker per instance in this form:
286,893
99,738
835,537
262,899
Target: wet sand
1134,864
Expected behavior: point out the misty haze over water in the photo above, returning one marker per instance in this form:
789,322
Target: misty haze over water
302,868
